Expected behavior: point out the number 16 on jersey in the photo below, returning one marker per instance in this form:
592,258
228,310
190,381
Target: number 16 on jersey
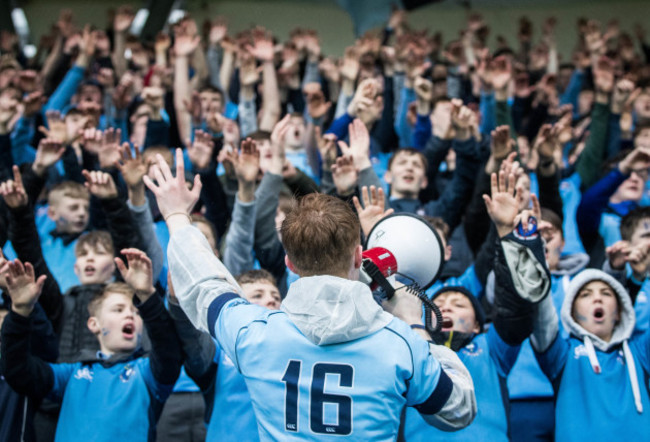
318,399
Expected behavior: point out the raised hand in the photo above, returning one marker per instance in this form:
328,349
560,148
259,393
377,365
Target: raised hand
23,287
501,72
172,195
4,269
622,91
13,191
604,75
350,66
373,209
363,97
106,145
546,142
640,157
87,46
617,254
639,259
132,167
154,97
123,19
248,72
247,161
218,30
502,206
139,273
464,120
345,175
278,136
501,144
200,151
185,44
326,147
316,104
48,153
32,103
312,45
262,48
359,147
57,128
100,184
329,70
230,130
423,89
8,113
441,123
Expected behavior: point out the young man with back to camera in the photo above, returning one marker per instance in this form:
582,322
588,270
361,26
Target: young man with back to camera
328,328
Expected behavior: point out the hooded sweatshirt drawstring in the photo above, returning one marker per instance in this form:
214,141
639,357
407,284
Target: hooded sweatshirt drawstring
591,353
629,362
620,334
631,369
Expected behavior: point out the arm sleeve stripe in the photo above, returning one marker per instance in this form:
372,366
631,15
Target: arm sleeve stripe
215,309
439,397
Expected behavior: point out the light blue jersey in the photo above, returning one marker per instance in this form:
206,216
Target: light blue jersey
301,390
124,398
232,417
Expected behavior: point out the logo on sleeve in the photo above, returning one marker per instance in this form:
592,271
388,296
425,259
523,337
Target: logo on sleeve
580,351
84,373
472,349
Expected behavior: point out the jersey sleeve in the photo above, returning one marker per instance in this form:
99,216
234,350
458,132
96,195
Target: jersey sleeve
228,315
503,355
62,374
552,361
157,390
427,387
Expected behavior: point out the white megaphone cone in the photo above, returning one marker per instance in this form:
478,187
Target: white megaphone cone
406,246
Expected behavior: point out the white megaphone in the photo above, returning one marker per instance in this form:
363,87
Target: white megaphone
404,246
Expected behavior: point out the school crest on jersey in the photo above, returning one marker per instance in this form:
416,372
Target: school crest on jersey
127,372
472,349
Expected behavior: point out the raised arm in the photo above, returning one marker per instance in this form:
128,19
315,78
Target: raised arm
121,24
24,372
24,237
238,257
132,168
184,46
522,278
165,357
263,51
199,278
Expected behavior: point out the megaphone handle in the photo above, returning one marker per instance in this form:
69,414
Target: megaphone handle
375,274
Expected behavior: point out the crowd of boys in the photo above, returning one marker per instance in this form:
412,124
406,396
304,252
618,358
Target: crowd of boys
181,225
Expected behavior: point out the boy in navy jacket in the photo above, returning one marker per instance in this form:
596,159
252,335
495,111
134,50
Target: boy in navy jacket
111,394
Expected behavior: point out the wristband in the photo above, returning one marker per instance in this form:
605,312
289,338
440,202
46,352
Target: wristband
418,327
179,213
